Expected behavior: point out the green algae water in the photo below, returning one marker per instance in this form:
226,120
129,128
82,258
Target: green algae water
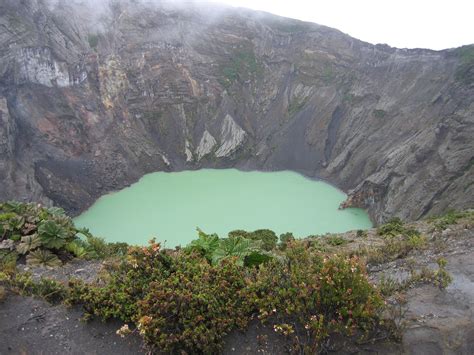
169,206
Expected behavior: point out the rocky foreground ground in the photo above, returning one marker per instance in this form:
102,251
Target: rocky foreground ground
429,319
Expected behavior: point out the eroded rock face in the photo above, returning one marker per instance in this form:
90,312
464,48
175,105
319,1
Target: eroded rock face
232,136
92,106
206,145
37,66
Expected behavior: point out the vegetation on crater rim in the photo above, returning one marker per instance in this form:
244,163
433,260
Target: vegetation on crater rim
465,70
46,237
189,298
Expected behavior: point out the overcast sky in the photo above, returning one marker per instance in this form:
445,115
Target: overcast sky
435,24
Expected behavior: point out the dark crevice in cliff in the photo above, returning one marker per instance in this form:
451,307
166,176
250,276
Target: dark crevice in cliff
333,128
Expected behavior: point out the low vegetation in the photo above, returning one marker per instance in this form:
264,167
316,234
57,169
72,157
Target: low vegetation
398,241
187,299
242,66
295,106
465,70
93,40
439,277
379,113
44,236
441,223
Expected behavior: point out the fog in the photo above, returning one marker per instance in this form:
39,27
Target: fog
98,14
434,24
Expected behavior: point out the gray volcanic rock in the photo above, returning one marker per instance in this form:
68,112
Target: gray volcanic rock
88,106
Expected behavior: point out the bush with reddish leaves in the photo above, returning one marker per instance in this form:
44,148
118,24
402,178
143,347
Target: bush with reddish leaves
180,301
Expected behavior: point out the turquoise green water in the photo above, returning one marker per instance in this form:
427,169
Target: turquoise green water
169,206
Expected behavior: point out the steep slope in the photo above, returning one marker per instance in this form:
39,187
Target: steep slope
88,106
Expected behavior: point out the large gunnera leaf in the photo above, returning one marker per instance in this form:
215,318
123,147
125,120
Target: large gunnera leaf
53,235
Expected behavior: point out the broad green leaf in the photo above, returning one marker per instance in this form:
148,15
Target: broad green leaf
52,235
28,243
44,258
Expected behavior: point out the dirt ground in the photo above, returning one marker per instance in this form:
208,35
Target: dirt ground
32,326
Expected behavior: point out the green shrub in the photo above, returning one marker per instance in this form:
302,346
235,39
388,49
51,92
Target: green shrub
450,218
315,296
391,228
128,283
335,240
397,246
268,237
180,301
77,249
442,276
417,241
50,290
388,286
8,260
286,238
97,247
118,249
195,307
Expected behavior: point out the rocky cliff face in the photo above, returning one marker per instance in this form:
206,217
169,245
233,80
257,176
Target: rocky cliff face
88,106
